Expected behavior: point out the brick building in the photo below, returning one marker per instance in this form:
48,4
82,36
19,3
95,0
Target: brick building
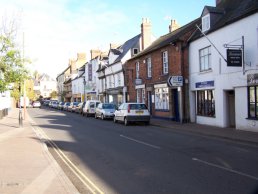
147,75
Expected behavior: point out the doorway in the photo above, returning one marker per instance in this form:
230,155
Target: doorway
231,108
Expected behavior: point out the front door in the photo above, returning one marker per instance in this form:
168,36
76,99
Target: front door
231,108
149,102
175,103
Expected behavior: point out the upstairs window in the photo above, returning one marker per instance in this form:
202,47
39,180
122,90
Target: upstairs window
149,67
137,70
135,51
205,59
165,62
206,23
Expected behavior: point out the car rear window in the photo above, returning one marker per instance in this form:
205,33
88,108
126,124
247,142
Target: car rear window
137,106
108,106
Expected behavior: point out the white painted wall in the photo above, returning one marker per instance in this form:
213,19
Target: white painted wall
226,78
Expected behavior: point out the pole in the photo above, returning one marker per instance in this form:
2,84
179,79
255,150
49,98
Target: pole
20,110
24,93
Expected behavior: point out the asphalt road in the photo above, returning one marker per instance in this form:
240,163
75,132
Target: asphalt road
113,158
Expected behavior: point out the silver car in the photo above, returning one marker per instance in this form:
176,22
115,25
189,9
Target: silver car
105,110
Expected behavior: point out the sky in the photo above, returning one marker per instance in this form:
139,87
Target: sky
54,31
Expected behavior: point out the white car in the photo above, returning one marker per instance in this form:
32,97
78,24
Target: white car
132,112
105,110
36,104
90,107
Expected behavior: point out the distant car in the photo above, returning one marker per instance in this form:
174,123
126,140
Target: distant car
36,104
105,110
65,106
79,107
55,104
132,112
60,105
90,107
75,104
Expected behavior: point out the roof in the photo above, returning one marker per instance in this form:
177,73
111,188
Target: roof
168,38
233,10
123,49
41,77
63,71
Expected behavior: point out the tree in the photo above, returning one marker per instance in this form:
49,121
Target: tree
53,95
12,69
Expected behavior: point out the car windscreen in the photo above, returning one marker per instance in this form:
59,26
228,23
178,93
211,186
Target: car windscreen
137,106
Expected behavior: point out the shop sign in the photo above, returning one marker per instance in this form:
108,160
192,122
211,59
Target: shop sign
205,84
161,85
234,57
175,81
252,79
140,86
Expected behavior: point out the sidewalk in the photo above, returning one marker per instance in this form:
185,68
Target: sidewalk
225,133
26,166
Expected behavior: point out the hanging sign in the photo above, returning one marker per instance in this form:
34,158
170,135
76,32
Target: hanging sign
176,81
234,57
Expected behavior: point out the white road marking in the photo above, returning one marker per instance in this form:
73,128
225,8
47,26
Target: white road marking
141,142
226,169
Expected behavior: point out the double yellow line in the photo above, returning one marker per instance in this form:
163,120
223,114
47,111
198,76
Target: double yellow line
83,178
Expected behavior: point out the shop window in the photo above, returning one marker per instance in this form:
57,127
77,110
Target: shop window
253,102
143,95
161,99
206,103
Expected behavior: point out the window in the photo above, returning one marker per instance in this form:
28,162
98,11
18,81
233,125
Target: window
205,23
138,95
110,82
143,95
135,51
137,70
206,103
205,59
161,99
119,79
253,102
165,62
149,67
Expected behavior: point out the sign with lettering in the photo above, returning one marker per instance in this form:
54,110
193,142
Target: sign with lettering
176,81
252,79
205,84
234,57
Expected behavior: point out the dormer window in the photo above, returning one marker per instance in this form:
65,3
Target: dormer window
135,51
206,23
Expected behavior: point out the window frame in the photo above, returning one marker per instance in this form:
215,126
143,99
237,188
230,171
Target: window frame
206,23
254,102
203,56
149,67
205,105
165,62
137,69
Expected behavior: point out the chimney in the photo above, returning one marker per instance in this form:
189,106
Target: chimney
94,53
218,2
114,46
146,33
173,25
81,56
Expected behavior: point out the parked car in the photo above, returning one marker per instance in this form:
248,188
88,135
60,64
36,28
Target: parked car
55,104
90,107
132,112
79,107
75,104
36,104
105,110
60,105
65,106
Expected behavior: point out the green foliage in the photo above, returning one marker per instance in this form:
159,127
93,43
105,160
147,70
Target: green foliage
53,95
12,69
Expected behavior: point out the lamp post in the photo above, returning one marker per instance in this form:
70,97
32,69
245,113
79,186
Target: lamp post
84,83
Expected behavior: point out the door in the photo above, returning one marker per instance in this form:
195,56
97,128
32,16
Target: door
231,108
149,102
176,105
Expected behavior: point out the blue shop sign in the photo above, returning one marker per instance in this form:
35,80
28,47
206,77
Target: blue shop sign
205,84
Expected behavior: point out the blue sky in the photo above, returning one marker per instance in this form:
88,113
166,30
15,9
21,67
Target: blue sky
56,30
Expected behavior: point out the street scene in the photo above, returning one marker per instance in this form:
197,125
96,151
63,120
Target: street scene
129,97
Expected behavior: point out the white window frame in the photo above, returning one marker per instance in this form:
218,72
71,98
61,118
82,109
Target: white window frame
138,95
137,67
118,79
143,95
149,67
162,98
206,24
205,59
165,62
135,51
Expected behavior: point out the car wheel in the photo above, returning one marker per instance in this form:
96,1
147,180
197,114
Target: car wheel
126,122
96,116
102,117
86,114
147,123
